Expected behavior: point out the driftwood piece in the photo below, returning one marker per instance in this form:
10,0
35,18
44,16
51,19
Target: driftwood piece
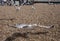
24,35
37,33
30,26
8,19
16,35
